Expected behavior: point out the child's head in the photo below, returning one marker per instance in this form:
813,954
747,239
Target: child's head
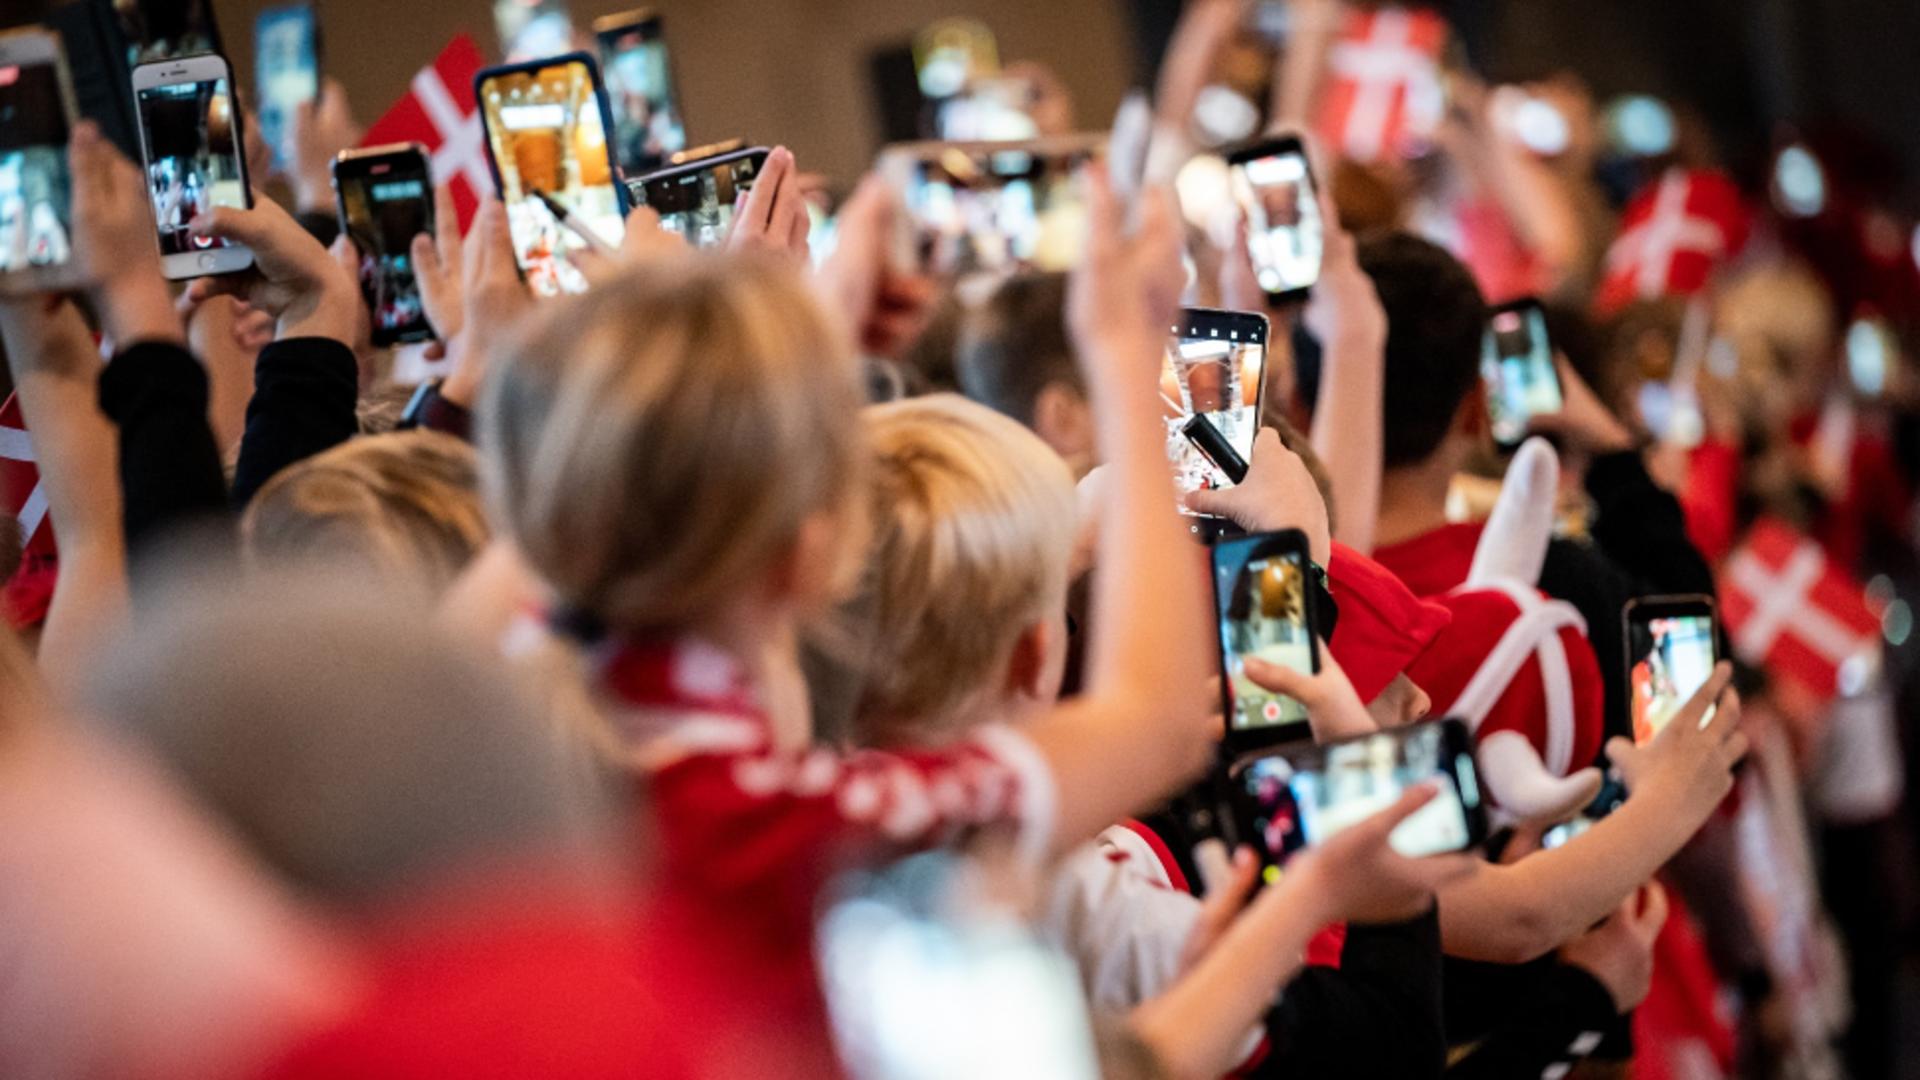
1014,356
680,448
406,505
1436,319
974,525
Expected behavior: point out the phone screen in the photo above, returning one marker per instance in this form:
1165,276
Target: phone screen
1284,233
1516,364
36,190
1214,367
384,204
1260,591
547,134
1672,657
194,160
698,203
1293,802
990,109
998,210
288,67
646,119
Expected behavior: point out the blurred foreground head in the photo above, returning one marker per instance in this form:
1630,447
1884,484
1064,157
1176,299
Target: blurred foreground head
357,749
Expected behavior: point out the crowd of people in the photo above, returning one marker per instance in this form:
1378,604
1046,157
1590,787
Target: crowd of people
779,661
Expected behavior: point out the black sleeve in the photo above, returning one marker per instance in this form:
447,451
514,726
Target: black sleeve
1377,1014
1563,1015
156,395
321,226
1642,529
304,394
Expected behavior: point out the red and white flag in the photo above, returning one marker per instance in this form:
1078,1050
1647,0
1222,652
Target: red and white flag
1673,235
1383,93
1795,613
439,112
26,595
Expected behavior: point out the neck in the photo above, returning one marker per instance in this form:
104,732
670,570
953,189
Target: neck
767,642
1413,501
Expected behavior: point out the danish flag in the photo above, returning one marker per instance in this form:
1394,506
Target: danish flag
28,592
1793,612
440,113
1673,235
1383,93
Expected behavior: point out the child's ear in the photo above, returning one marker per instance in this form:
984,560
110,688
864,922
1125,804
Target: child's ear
1063,420
1028,667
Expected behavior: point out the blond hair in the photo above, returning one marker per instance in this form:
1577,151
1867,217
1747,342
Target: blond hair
406,504
656,444
974,529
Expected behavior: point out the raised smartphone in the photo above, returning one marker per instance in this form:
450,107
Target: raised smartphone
1273,183
190,142
1672,647
1211,382
1516,367
697,199
36,188
647,126
990,207
1265,611
385,198
286,64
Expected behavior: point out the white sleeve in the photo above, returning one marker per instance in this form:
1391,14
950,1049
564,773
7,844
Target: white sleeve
1124,930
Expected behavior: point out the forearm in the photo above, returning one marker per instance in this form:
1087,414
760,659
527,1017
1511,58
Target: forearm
1347,436
137,308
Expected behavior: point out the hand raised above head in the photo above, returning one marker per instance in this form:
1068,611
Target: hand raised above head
293,278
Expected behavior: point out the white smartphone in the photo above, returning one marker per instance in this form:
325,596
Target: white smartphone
191,145
36,190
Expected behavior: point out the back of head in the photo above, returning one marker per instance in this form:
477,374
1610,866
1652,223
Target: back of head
653,445
974,528
1436,319
355,748
1014,345
405,505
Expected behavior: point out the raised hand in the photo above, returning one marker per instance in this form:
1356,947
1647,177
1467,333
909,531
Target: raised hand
1619,952
886,310
1334,708
1278,493
773,215
495,300
1126,291
115,243
320,129
437,265
1360,878
304,287
1690,765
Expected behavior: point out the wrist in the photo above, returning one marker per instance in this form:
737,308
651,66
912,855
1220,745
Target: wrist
327,312
136,307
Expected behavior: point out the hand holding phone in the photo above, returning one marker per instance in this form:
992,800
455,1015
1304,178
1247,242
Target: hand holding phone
1518,372
190,142
987,207
1672,647
1265,608
1362,875
307,290
36,188
1273,183
386,201
697,200
1212,382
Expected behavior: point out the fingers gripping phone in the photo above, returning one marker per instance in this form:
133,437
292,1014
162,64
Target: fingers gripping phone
547,124
1265,611
195,158
1286,801
1273,183
1672,647
385,198
36,189
1211,384
647,127
697,199
1517,370
286,61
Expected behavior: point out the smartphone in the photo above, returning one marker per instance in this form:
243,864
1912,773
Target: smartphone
385,196
995,109
1516,367
1612,795
647,129
190,142
547,125
1672,646
1274,185
696,200
990,207
36,189
529,29
286,61
1285,802
1265,610
930,971
1873,351
1211,382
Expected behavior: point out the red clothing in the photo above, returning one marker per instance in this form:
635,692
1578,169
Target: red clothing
747,838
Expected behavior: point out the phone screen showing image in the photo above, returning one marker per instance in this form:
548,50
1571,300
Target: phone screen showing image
288,66
1261,596
697,202
1285,236
647,128
194,158
1516,364
36,190
998,210
547,134
1214,368
1672,654
384,204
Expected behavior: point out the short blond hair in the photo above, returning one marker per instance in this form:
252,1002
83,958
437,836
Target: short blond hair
974,523
656,443
406,503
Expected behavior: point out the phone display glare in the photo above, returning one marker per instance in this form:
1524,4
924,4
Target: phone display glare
647,128
547,135
193,158
284,40
1516,363
1285,236
699,205
999,211
36,190
1263,614
1301,803
1673,657
384,212
1216,374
